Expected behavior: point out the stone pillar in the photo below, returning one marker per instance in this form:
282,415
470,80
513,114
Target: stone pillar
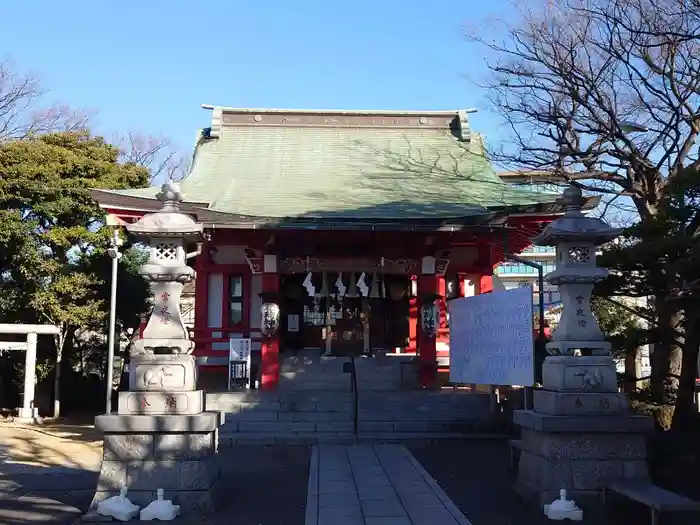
161,436
581,432
271,343
28,412
427,351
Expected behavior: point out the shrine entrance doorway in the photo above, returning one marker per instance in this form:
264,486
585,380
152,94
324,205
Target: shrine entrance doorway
343,324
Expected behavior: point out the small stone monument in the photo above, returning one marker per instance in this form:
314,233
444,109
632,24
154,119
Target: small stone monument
161,437
581,432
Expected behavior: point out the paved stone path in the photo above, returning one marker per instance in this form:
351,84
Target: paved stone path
374,485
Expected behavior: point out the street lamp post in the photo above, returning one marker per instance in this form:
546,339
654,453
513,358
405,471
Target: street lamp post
115,255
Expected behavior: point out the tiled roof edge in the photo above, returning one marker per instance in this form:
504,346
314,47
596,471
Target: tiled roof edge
451,112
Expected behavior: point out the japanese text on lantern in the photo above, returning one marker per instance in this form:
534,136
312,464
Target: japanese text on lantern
164,312
170,403
164,315
143,402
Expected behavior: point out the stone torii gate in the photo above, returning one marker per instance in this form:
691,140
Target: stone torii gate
27,413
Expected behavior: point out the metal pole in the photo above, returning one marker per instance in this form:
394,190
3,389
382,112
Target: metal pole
540,282
114,254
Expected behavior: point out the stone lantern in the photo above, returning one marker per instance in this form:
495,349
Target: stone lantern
580,433
167,234
576,237
161,437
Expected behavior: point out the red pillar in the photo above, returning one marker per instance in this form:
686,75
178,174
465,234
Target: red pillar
201,291
413,321
486,284
427,356
270,345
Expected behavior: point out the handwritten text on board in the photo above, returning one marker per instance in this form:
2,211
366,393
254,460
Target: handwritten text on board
491,338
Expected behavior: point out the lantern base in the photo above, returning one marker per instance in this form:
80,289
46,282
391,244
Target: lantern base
162,373
145,403
571,348
176,453
150,347
566,373
579,403
580,454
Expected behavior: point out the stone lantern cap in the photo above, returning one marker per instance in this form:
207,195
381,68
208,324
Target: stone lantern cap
574,226
169,222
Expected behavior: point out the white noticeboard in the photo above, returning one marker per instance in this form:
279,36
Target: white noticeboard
293,323
239,352
491,339
239,349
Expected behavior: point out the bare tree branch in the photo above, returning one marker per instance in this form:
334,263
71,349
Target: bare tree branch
605,93
22,113
155,153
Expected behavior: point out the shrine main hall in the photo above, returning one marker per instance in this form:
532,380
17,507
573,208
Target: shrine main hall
340,231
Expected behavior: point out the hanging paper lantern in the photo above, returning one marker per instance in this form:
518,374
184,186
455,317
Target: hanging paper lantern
396,291
269,314
430,314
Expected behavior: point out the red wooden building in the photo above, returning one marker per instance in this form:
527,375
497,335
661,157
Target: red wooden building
353,220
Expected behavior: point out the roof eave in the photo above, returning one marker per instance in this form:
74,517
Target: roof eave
114,200
228,109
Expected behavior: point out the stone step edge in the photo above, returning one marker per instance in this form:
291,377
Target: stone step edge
311,438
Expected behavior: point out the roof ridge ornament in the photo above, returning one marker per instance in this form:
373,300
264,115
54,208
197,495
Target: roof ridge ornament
463,123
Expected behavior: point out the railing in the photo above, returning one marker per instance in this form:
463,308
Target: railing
204,340
355,395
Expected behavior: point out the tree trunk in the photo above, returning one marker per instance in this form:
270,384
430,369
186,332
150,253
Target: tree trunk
630,378
60,341
685,413
667,355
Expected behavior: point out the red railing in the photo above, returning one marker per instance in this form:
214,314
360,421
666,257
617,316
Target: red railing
204,338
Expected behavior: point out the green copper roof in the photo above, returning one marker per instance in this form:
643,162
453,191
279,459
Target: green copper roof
345,173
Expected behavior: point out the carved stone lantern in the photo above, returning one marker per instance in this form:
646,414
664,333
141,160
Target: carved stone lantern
167,233
269,314
576,237
579,401
430,314
162,404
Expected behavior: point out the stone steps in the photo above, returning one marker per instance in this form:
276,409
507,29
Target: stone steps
264,417
310,371
342,438
314,404
256,427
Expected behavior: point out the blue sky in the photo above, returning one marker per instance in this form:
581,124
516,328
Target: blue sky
148,65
